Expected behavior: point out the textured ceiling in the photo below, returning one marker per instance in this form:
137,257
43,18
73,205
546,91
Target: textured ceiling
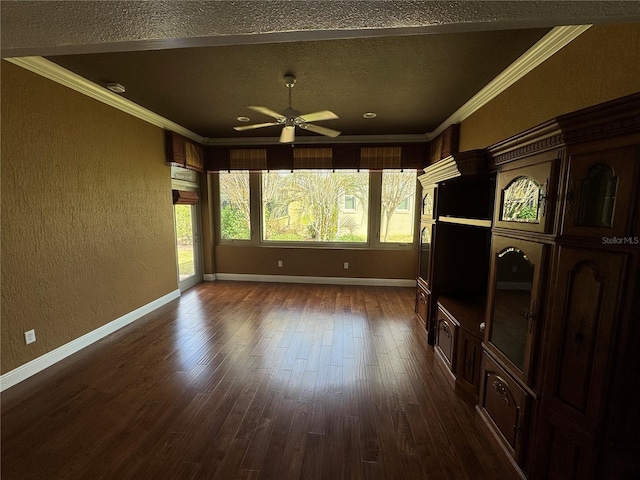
201,63
412,83
50,27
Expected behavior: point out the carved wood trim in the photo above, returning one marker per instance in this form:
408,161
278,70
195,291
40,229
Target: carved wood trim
610,119
502,390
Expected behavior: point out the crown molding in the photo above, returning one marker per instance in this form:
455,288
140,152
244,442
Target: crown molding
547,46
58,74
551,43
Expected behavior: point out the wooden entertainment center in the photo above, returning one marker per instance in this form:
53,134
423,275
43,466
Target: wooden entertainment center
528,286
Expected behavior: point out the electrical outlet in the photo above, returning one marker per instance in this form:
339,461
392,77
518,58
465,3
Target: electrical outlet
29,337
279,263
346,265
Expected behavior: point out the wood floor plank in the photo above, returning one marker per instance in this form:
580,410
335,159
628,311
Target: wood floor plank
250,381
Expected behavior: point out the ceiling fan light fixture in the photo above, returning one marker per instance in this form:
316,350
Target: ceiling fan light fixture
243,119
370,115
291,118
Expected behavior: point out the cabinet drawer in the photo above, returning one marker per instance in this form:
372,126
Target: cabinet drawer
447,331
504,408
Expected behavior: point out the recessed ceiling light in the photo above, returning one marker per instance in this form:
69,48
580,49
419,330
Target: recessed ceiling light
243,119
116,87
369,115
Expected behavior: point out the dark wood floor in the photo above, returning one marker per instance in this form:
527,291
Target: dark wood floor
250,381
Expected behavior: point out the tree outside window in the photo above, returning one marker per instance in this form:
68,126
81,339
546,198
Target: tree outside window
397,188
235,207
310,206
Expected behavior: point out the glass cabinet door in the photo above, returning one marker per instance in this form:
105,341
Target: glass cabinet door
514,302
524,199
597,199
428,203
425,253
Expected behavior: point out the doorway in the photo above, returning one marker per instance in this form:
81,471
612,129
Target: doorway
187,245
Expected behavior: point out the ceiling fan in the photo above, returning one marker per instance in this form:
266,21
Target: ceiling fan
290,119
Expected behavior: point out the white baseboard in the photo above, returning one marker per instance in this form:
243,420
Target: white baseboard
209,277
36,365
381,282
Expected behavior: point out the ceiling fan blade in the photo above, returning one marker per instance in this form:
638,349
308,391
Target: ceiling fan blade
317,116
266,111
288,134
321,130
242,128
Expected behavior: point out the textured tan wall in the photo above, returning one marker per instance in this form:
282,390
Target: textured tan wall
87,225
321,262
601,64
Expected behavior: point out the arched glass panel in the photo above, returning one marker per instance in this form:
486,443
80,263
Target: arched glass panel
427,204
597,197
512,302
521,201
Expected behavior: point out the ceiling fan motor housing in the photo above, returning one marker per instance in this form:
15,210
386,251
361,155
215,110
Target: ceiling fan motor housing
289,80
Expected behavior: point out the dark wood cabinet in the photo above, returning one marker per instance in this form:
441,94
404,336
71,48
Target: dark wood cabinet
458,342
453,267
537,237
560,358
457,207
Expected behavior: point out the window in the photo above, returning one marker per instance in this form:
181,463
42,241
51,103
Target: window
349,203
403,207
315,206
235,206
398,188
319,207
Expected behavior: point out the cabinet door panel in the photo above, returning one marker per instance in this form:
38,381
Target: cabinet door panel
469,362
581,326
562,451
599,187
505,404
424,254
422,305
515,303
446,338
526,195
